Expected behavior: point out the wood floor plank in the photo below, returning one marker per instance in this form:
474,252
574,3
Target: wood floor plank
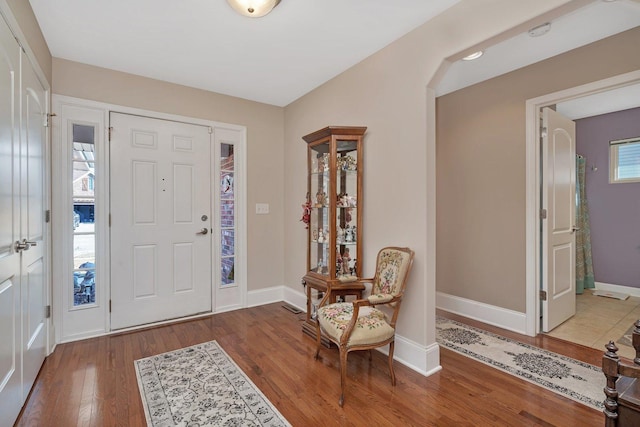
93,382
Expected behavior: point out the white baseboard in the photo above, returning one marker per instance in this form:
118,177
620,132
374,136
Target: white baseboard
265,296
424,360
490,314
295,297
634,292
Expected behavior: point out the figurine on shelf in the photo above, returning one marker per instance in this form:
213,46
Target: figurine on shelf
314,235
321,199
351,201
354,234
353,267
321,163
342,201
347,215
340,236
348,234
347,163
339,263
321,237
346,260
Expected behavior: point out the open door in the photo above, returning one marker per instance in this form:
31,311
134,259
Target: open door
558,228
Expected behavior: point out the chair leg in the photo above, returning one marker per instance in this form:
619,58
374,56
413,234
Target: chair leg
370,355
343,373
393,375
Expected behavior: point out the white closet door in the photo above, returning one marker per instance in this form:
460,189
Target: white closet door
10,364
32,196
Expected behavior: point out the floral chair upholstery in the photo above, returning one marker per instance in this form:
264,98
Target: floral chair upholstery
360,325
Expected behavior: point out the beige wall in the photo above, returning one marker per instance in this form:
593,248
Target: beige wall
265,160
22,12
387,93
481,169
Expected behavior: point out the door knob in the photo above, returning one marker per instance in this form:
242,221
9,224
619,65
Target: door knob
574,229
24,245
203,231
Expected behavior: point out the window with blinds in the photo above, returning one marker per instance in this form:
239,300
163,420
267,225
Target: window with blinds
624,157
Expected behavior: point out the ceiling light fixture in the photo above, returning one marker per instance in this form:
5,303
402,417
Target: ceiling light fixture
253,8
540,30
474,55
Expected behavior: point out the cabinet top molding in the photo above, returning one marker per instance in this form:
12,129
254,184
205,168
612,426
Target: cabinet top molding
335,130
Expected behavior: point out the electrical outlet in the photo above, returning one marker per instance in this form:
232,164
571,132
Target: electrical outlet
262,208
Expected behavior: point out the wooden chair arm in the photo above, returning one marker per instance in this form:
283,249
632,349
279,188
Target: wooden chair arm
336,282
344,339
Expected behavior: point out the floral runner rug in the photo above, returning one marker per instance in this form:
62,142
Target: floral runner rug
571,378
201,385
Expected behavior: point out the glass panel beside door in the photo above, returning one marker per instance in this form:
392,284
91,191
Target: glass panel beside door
83,178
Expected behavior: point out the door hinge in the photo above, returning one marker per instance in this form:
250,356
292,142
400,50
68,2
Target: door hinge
47,216
543,214
543,295
110,130
47,120
47,312
543,132
210,130
109,306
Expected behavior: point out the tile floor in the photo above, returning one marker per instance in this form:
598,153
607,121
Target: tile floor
599,320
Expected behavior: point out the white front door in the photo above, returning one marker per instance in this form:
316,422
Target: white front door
10,363
160,220
32,209
559,200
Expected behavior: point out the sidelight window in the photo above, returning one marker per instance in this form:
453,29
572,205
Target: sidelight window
84,200
227,215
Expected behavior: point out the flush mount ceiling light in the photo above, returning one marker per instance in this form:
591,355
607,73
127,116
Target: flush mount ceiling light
474,55
253,8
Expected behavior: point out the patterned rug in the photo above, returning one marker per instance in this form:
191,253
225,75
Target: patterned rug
201,385
571,378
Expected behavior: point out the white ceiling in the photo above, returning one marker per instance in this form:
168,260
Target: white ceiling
299,46
593,22
205,44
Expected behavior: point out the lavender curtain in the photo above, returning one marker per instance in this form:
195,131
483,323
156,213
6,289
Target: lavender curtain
584,262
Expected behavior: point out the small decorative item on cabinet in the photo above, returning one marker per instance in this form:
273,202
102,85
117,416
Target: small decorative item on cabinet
334,179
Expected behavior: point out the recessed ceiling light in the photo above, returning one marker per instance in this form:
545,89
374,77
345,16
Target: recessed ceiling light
540,30
474,55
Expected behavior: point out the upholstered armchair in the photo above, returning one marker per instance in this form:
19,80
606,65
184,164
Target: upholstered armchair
360,324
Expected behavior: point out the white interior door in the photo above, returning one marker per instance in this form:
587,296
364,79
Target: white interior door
10,363
160,220
559,200
33,268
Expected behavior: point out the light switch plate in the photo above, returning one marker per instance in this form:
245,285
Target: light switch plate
262,208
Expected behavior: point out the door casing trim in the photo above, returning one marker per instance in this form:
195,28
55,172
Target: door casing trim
57,183
533,266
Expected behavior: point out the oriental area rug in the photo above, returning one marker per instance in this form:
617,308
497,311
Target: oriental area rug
201,385
571,378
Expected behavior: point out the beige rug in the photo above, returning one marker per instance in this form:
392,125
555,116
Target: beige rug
568,377
201,386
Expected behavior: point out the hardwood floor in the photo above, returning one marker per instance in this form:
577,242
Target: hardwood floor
93,382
